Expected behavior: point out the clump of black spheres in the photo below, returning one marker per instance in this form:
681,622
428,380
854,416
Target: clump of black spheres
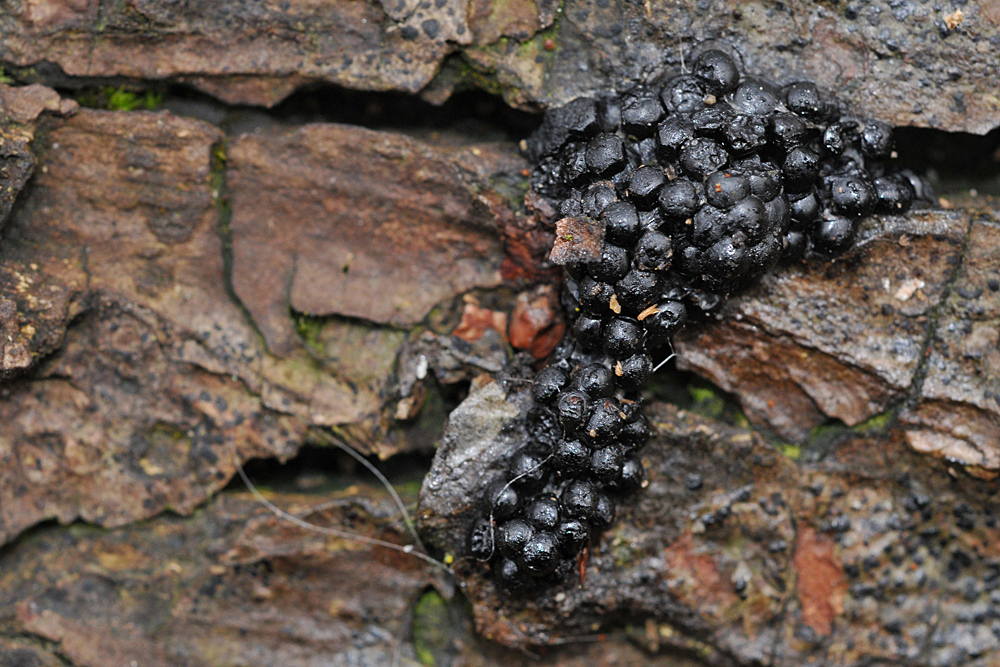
699,185
579,459
733,173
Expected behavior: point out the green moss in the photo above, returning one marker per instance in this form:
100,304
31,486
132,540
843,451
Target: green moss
707,402
217,183
431,627
511,187
622,553
310,329
124,100
409,490
5,78
359,352
876,424
701,394
121,98
827,430
793,452
219,157
534,48
168,431
478,76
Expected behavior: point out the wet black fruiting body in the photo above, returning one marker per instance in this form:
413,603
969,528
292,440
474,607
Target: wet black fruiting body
701,184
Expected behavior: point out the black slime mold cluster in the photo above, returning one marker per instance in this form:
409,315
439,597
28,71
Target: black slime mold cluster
698,185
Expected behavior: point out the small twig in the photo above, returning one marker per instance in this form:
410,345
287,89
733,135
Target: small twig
577,639
335,532
672,355
329,439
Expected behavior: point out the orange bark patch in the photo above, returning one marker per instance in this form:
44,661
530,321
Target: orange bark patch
526,242
821,583
476,321
703,581
535,324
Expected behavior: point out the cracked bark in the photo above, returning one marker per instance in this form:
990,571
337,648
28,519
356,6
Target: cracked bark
153,335
885,55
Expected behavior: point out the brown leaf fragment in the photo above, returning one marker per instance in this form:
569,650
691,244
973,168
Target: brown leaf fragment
526,243
578,240
536,324
477,320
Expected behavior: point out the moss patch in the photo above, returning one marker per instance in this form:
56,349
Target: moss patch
121,98
793,452
431,627
876,424
309,329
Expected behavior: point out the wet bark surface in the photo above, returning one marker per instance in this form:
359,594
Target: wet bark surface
389,228
908,62
163,379
181,295
887,334
860,550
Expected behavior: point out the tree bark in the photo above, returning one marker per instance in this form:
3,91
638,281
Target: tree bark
179,296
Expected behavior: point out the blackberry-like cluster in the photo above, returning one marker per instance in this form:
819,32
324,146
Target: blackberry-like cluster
697,186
